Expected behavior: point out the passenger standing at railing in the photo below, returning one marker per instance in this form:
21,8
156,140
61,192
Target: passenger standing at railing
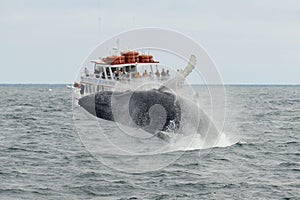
157,73
122,72
145,74
86,71
163,73
168,74
151,75
137,75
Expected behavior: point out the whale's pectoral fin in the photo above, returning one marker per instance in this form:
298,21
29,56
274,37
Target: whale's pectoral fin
180,78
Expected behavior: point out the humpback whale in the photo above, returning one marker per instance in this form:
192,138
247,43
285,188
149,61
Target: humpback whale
154,111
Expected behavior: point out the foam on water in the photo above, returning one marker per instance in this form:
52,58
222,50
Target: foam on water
186,143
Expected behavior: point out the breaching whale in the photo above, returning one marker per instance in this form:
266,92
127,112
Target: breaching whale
154,111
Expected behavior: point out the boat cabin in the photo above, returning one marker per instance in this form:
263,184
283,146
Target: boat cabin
128,68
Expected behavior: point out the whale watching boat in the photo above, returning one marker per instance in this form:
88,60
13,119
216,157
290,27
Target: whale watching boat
125,68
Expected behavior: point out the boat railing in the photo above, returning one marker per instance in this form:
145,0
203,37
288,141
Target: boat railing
98,79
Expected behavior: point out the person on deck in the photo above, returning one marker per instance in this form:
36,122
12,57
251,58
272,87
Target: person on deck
163,73
157,74
168,74
145,74
137,75
86,71
151,75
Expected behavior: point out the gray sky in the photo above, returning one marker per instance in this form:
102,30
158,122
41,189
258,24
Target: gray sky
251,41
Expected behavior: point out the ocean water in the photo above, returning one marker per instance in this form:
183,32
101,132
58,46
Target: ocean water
43,156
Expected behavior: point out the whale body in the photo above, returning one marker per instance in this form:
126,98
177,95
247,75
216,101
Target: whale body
154,111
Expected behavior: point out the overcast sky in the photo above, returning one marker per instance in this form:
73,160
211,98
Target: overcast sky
251,41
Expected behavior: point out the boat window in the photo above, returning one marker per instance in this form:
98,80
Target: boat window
98,69
108,73
132,68
113,69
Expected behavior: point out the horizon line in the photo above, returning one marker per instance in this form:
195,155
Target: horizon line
225,84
